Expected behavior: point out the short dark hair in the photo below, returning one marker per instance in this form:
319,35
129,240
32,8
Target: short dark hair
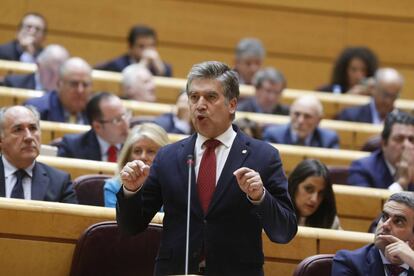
324,216
395,117
93,111
340,74
140,31
34,14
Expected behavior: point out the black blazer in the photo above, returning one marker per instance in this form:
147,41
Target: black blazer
231,231
48,184
82,146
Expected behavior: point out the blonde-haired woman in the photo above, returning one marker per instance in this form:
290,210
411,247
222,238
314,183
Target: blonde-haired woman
143,143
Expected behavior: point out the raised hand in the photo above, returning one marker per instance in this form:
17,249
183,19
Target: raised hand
250,182
134,174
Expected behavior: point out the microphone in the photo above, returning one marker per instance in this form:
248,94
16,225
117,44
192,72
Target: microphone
190,162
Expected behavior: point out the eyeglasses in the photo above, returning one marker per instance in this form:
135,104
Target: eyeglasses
117,120
27,27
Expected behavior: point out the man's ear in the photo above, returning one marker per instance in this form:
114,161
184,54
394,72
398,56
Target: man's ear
233,105
96,126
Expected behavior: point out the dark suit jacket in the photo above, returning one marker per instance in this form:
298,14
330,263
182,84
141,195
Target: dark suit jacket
118,64
250,105
231,229
371,171
82,146
50,107
26,81
166,121
360,114
324,138
11,51
365,261
48,184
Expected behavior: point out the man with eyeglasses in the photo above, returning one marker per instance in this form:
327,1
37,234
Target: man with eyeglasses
388,84
68,102
29,41
110,124
392,166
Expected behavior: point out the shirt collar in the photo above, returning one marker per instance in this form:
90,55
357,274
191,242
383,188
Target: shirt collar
9,169
226,138
104,145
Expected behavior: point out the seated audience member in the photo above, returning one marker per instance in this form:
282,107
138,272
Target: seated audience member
179,120
249,59
68,102
391,253
388,84
310,189
351,71
269,84
138,83
109,122
21,176
46,77
142,42
305,114
392,166
29,41
143,143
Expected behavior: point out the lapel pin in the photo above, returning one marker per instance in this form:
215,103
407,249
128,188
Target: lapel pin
244,151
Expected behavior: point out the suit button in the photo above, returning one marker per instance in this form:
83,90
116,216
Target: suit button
205,221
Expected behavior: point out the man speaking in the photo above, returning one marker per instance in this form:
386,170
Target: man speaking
238,188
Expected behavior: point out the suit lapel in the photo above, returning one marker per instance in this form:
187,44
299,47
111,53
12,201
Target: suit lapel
374,263
237,155
40,182
187,148
2,179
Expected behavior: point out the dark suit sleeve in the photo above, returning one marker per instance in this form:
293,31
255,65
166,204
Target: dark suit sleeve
342,265
68,194
132,213
64,148
334,141
268,134
276,210
358,175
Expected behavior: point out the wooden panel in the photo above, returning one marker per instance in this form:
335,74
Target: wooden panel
301,246
26,257
355,224
77,167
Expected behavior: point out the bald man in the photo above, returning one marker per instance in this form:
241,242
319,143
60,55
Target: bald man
388,84
46,77
68,102
305,114
138,83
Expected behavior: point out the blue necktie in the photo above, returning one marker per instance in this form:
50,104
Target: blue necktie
17,191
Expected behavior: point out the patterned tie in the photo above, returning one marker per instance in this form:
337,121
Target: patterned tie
17,191
112,153
206,181
395,270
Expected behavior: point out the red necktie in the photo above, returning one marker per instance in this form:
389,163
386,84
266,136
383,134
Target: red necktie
112,153
206,181
395,270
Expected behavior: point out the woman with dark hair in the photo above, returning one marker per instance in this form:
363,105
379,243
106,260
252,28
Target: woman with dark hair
353,71
311,191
